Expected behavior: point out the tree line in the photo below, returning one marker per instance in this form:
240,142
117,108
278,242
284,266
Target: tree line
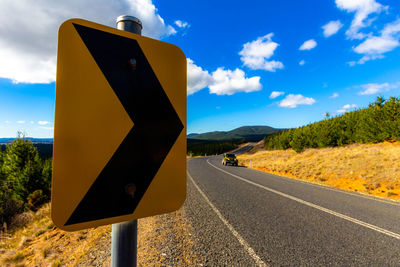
201,148
25,178
379,122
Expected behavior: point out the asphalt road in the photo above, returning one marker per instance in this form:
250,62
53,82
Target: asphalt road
243,217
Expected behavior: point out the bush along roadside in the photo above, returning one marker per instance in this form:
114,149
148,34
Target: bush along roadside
379,122
25,179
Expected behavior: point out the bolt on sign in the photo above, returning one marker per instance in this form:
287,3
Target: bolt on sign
120,127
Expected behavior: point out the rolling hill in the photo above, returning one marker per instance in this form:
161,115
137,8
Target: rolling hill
251,133
192,135
33,140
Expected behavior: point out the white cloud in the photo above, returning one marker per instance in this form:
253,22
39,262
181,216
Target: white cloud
346,108
372,88
292,101
227,82
334,95
21,122
275,94
308,45
375,88
375,46
391,29
7,122
332,27
302,62
221,81
362,10
364,59
182,24
197,78
43,122
34,61
255,54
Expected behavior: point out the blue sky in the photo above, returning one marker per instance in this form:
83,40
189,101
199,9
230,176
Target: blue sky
278,63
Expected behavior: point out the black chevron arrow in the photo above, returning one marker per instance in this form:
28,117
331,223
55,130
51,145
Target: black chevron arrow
143,150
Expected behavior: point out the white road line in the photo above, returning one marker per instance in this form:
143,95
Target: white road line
370,226
243,242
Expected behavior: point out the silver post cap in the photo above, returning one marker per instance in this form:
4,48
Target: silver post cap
127,18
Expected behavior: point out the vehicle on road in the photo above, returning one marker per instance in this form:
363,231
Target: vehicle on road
230,159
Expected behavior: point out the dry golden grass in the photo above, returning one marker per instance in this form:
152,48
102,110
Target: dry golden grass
40,243
367,168
35,241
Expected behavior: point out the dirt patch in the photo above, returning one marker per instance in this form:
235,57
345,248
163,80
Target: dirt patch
367,168
259,146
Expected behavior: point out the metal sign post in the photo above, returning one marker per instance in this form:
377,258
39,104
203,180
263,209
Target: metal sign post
124,244
124,235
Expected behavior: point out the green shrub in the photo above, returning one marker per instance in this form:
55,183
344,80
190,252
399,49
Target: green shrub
34,200
10,204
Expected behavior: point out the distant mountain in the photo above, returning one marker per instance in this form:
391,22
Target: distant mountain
33,140
251,133
192,135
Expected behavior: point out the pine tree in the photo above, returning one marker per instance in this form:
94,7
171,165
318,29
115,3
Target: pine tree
22,167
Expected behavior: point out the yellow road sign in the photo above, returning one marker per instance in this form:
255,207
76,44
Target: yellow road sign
120,127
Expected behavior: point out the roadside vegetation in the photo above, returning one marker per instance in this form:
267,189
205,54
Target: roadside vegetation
379,122
203,148
366,168
25,179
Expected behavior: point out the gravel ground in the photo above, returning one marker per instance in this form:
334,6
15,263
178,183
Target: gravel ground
164,240
99,255
167,240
